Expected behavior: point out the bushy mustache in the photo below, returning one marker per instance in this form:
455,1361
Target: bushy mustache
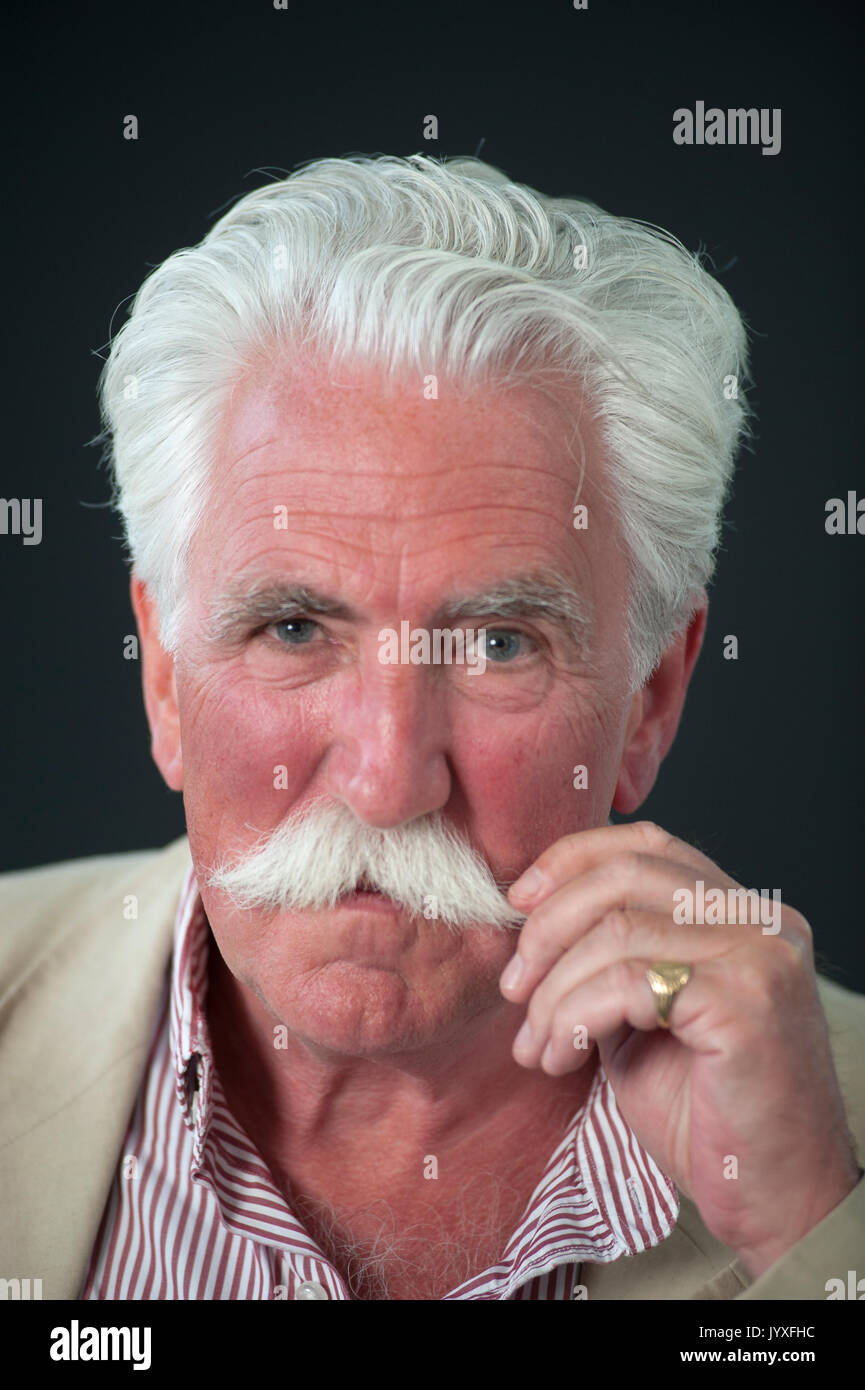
317,855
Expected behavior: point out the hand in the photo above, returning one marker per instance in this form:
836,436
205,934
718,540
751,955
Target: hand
745,1071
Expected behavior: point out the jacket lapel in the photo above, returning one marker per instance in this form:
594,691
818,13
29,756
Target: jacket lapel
79,1021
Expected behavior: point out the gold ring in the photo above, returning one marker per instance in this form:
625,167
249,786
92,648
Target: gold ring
666,978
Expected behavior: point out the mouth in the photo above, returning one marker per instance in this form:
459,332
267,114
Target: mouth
365,892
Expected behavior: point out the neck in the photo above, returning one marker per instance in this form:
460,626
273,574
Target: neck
301,1103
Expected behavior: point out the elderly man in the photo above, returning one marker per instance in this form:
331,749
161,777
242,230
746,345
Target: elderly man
421,473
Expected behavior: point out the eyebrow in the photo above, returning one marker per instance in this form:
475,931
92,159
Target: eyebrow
546,596
235,610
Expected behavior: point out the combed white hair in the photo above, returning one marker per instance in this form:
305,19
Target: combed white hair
441,266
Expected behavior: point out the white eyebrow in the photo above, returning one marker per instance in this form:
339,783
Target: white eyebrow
241,607
547,596
550,597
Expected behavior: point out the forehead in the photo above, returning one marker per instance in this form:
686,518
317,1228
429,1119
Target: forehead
320,466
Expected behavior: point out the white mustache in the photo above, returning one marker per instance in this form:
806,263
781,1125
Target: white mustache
317,855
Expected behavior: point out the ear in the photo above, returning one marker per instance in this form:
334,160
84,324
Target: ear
160,689
655,713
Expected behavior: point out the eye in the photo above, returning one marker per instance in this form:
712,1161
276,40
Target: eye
295,632
504,644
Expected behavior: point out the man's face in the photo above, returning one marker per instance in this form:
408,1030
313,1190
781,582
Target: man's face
393,505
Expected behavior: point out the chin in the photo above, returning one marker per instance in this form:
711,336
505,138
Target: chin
363,1009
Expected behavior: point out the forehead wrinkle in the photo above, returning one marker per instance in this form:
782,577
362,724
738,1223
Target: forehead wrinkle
530,460
327,526
396,471
232,460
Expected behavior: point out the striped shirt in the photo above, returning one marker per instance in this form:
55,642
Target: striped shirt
194,1213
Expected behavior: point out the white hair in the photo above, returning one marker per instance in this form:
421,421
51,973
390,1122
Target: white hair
447,266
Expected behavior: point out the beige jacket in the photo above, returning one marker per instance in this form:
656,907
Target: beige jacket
79,988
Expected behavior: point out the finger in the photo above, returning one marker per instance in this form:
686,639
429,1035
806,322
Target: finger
624,935
619,996
624,881
574,854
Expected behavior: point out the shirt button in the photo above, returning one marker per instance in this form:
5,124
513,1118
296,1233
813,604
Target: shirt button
310,1290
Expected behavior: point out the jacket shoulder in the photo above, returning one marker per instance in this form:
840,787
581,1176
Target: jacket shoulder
844,1008
40,907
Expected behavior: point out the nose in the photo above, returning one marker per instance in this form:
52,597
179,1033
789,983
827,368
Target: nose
388,756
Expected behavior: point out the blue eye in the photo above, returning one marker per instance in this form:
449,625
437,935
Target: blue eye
295,632
503,645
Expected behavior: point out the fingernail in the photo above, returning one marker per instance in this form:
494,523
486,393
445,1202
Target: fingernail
530,883
524,1038
512,973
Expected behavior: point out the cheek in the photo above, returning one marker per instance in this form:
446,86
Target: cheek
519,775
247,752
594,740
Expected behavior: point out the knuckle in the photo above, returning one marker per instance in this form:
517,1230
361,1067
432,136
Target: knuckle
618,926
655,838
569,845
557,858
798,955
624,974
630,863
624,869
799,927
766,983
791,965
745,976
